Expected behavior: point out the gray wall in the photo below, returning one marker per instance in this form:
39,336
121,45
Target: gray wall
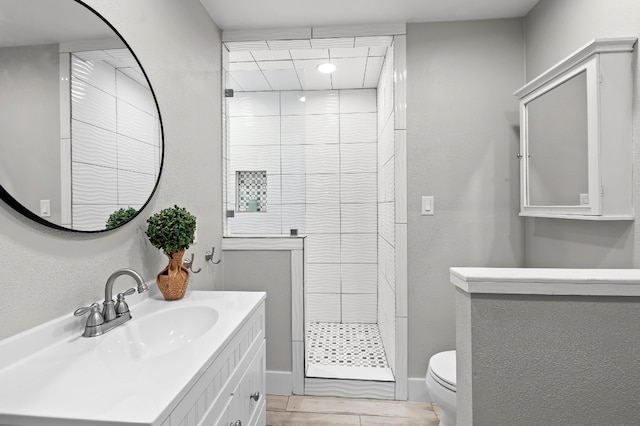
553,30
30,125
268,271
559,360
462,141
48,273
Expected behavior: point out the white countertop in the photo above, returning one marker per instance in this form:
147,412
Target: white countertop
50,375
547,281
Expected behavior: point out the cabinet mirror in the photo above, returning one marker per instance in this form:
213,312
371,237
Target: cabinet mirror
576,144
80,130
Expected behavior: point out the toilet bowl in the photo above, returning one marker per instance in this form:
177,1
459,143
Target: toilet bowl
441,385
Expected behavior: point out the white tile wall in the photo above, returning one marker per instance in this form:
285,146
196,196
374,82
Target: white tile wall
386,313
130,151
323,218
324,151
133,187
363,100
359,187
292,103
96,73
358,127
322,159
252,104
359,218
323,307
115,142
246,157
255,130
358,248
88,183
322,102
323,278
92,105
132,92
293,159
323,248
93,145
293,188
358,158
359,278
322,129
323,189
359,308
294,217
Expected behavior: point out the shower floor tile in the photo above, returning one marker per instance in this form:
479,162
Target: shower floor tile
346,351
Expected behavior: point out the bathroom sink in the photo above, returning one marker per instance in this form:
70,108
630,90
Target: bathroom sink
158,334
134,374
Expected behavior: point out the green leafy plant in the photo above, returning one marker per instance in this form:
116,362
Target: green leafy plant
171,229
120,216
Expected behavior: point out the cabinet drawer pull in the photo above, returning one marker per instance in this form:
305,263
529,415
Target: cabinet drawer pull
255,396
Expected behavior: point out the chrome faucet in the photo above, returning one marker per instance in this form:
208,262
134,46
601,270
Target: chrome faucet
113,314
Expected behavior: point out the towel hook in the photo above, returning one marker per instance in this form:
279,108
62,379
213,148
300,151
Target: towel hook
209,256
189,264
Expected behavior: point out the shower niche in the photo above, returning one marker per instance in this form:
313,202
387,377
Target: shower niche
325,154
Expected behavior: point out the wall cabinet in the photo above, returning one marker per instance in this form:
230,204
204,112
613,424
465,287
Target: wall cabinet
576,135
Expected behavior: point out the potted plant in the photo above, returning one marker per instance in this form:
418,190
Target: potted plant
172,230
120,217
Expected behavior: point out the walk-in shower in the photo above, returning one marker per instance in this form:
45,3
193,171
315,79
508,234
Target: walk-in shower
315,154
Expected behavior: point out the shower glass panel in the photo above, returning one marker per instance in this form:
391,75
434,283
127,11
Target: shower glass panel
316,140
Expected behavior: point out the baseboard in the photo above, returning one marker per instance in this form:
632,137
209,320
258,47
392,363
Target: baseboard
280,382
418,390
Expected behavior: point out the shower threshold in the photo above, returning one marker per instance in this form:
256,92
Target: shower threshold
346,351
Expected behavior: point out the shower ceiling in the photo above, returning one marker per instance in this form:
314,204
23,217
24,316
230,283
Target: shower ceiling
292,64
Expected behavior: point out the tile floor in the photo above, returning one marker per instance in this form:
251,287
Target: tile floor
290,410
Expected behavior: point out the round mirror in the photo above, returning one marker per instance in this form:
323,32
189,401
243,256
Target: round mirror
81,142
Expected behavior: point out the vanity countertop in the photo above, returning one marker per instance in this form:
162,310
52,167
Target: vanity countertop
547,281
135,374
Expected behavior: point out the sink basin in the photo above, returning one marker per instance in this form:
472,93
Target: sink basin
158,334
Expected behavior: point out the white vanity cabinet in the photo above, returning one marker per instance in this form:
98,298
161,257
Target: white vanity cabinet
231,390
197,361
246,401
576,135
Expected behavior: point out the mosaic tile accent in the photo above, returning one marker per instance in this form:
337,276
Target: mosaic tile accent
251,193
345,344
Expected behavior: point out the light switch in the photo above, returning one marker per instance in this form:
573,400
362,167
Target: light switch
45,208
427,205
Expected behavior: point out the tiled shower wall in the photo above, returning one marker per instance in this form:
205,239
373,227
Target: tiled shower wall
392,210
386,209
320,155
115,143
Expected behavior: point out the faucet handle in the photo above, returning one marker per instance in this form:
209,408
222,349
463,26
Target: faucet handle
121,306
128,292
95,317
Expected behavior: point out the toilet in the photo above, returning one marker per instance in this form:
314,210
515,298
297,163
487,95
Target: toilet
441,385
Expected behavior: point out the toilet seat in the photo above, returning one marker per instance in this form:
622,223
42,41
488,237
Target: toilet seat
442,368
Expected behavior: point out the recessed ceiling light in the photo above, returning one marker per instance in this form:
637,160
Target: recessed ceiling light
302,99
327,68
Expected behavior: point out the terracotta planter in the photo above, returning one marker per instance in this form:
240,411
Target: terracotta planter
172,280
